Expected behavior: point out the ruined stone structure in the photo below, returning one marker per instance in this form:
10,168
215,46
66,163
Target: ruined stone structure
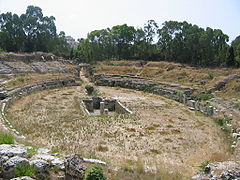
176,92
101,106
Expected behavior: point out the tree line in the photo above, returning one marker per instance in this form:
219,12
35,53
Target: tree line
172,41
31,32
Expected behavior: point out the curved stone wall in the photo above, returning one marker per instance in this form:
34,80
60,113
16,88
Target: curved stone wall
19,92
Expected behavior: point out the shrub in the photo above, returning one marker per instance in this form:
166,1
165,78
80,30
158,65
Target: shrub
89,89
23,169
6,139
95,172
205,97
222,121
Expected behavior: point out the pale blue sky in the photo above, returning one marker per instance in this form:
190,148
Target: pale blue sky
78,17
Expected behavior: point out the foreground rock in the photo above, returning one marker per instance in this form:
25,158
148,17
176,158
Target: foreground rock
228,170
48,165
23,178
10,150
9,166
74,168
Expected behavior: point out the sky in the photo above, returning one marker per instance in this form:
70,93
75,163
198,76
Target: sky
78,17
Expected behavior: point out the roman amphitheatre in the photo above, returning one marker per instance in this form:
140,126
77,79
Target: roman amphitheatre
181,116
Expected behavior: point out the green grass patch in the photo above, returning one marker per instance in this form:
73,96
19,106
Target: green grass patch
23,169
211,75
223,121
205,97
6,139
32,151
203,165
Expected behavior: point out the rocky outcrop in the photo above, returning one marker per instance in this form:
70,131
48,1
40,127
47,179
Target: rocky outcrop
221,84
74,168
37,62
10,150
228,170
44,161
13,155
8,168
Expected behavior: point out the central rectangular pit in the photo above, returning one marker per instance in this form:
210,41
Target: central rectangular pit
102,106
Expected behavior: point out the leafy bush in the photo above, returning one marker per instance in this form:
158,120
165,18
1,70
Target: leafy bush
205,97
6,139
23,169
89,89
95,172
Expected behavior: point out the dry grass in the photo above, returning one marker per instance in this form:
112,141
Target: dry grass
33,78
168,134
200,78
231,90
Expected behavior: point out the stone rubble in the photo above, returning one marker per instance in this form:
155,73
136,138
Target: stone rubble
73,166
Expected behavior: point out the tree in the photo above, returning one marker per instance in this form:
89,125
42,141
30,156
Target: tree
30,32
231,57
236,48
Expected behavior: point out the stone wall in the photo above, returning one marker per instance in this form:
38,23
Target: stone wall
103,104
19,92
176,92
138,83
119,108
11,63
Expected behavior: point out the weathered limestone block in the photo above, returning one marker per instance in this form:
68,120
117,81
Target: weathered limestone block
53,160
22,178
197,104
210,110
109,104
11,150
191,103
89,104
105,112
96,102
10,165
40,165
102,108
74,168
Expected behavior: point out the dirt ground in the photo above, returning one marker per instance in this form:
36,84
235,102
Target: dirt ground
160,133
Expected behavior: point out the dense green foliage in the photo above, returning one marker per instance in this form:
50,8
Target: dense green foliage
6,139
173,41
236,49
31,32
95,172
